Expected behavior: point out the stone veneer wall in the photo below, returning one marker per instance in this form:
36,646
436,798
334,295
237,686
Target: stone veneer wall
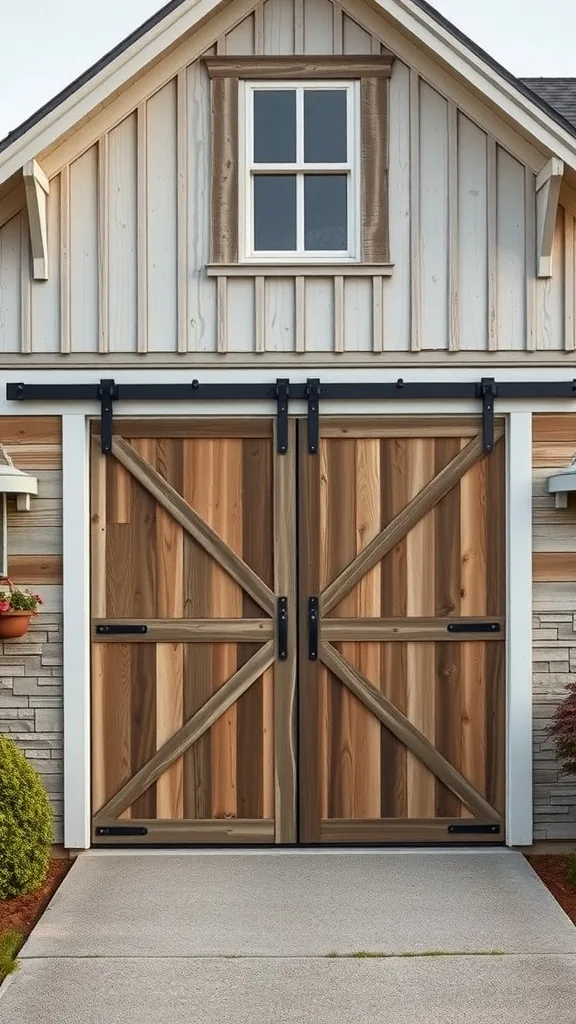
31,668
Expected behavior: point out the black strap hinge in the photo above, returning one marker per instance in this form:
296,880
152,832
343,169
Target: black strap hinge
107,393
313,396
282,628
282,394
487,392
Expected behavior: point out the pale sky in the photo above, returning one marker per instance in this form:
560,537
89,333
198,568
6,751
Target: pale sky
46,45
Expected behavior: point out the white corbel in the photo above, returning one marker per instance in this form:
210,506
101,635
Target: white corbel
37,190
548,185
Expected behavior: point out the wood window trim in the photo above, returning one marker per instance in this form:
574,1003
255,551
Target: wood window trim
374,73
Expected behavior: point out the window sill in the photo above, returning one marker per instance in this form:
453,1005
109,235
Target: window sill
300,269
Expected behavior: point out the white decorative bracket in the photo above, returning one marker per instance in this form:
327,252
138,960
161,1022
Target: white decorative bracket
37,191
548,185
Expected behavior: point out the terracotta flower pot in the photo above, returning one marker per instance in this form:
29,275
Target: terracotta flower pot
14,624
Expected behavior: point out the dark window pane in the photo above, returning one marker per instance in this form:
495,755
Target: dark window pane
325,126
274,126
326,212
275,211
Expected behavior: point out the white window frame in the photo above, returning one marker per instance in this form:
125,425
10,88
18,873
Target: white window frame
248,168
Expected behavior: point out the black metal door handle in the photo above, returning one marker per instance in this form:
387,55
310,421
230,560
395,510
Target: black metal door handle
313,624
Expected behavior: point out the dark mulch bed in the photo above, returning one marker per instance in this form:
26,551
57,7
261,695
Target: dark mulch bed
553,870
22,913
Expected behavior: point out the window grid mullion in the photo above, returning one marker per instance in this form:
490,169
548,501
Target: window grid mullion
300,212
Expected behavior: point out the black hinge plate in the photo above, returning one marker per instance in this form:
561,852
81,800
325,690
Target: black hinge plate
313,623
468,830
121,830
120,628
282,625
473,627
488,393
313,396
108,392
282,396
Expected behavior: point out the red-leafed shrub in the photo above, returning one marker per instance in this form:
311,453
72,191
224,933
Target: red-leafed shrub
563,731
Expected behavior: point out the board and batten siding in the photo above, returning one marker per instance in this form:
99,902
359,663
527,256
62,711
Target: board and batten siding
129,228
31,667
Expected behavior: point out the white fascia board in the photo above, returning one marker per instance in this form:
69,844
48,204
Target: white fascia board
482,76
112,77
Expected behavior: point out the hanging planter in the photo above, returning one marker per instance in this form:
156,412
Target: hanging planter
16,609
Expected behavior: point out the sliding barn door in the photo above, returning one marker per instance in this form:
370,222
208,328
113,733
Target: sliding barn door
193,654
402,633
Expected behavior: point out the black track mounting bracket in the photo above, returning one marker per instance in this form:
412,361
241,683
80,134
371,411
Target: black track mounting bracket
107,393
282,395
313,396
487,392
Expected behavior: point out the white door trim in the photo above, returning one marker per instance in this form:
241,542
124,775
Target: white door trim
76,609
519,713
76,519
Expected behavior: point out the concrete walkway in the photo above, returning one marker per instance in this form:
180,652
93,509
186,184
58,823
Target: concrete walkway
275,938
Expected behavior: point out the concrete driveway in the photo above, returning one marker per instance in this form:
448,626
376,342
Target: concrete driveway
257,938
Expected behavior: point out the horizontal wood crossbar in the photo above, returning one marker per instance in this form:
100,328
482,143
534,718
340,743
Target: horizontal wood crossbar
410,830
191,731
181,511
415,510
186,426
186,631
411,629
294,67
401,426
201,831
407,733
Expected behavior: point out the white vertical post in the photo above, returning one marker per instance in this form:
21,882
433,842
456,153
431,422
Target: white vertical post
519,798
76,519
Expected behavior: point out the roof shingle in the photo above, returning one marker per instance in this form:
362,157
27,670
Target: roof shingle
559,93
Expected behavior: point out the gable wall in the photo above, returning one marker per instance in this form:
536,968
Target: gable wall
129,228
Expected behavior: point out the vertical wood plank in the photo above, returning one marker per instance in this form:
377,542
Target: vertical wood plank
420,573
222,301
169,718
142,224
453,229
569,292
122,229
300,313
225,170
530,219
65,260
374,191
182,207
377,314
98,529
259,29
25,288
397,293
472,237
365,727
415,240
492,234
226,520
103,245
339,314
511,231
309,584
337,28
260,313
285,671
298,26
198,490
143,721
394,602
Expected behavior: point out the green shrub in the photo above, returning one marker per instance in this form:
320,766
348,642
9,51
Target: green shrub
25,824
10,943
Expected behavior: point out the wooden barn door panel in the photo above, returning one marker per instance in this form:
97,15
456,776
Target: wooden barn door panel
193,540
402,714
